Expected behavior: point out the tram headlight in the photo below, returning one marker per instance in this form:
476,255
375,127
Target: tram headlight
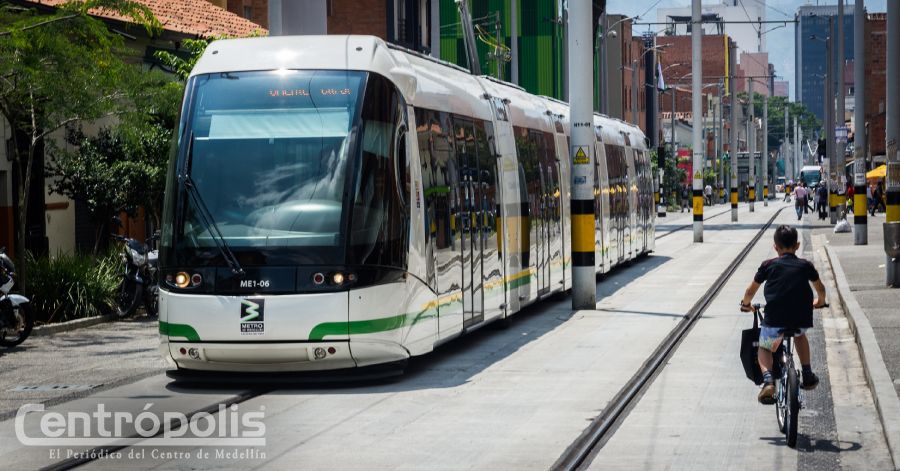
319,353
182,279
338,278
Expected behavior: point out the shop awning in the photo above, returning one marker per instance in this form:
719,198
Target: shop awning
877,172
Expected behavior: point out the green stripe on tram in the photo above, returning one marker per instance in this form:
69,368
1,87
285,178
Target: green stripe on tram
179,330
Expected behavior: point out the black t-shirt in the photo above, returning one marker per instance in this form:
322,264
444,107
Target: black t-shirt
788,294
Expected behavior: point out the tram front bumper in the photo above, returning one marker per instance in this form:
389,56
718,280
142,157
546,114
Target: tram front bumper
254,357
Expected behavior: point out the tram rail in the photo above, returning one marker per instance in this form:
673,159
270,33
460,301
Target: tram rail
578,455
597,433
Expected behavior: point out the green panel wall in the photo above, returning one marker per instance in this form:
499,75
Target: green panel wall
540,41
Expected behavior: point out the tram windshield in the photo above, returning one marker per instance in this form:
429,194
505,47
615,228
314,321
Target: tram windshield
278,159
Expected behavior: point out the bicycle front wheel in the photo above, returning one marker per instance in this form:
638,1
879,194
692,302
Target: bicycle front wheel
793,407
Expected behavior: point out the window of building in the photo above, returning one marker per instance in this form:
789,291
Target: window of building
248,12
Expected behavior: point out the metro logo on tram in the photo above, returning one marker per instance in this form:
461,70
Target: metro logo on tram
252,316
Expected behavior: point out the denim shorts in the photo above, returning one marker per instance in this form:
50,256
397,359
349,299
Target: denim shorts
769,336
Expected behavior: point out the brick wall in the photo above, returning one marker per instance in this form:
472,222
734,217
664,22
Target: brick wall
876,64
676,60
358,17
259,10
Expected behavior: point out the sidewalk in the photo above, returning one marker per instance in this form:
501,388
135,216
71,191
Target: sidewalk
874,310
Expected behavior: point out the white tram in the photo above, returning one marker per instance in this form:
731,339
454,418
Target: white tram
337,202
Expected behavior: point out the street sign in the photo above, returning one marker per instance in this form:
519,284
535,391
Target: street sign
580,155
840,133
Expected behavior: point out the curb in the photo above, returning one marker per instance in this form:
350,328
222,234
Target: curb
887,403
50,329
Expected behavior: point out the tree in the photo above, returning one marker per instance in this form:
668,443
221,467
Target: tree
56,70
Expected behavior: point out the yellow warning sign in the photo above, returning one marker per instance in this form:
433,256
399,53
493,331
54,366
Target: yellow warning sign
580,155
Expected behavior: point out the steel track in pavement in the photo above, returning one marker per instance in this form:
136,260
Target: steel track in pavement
602,427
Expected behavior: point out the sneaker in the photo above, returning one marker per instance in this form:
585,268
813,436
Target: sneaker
767,394
810,381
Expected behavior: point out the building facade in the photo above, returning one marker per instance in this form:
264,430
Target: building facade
716,17
809,53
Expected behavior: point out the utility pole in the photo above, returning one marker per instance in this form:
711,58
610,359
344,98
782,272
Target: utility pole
830,120
584,290
892,135
733,147
715,165
840,150
751,151
513,40
798,152
720,147
860,218
786,150
634,92
602,89
765,150
697,138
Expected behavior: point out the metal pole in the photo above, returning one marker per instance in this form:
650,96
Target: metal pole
436,29
751,150
765,151
892,135
513,40
634,92
715,153
798,152
733,147
564,14
840,202
786,150
830,125
860,216
720,147
584,289
696,108
602,61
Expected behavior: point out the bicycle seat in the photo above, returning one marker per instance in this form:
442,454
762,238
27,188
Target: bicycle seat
791,332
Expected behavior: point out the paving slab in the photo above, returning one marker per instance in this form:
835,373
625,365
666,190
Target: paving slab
510,399
701,412
64,366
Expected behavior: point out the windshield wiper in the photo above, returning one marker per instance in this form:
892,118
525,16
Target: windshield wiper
206,217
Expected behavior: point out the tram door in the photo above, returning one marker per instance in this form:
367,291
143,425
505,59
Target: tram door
471,243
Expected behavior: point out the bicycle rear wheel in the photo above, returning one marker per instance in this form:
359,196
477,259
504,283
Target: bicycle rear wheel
793,407
781,405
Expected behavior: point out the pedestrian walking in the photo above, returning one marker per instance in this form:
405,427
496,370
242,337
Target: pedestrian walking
685,198
878,196
707,193
800,195
822,201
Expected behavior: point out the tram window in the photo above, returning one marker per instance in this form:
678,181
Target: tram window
380,221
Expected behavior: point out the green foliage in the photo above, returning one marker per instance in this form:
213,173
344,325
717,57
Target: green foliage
118,169
182,64
72,286
59,69
777,104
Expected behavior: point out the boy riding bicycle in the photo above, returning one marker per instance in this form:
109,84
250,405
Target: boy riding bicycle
789,304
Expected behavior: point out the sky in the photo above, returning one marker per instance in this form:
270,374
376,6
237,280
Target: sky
781,57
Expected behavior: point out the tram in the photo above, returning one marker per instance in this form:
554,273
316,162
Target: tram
337,202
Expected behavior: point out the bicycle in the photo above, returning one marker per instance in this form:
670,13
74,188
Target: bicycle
788,395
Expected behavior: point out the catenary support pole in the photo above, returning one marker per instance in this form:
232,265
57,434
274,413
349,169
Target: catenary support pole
860,216
765,150
832,71
696,108
786,151
892,136
634,92
840,201
513,40
733,134
584,288
751,149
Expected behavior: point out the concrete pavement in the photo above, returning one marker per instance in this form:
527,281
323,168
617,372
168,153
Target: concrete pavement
874,311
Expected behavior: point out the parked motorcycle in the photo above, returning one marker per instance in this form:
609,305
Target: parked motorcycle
16,319
140,277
